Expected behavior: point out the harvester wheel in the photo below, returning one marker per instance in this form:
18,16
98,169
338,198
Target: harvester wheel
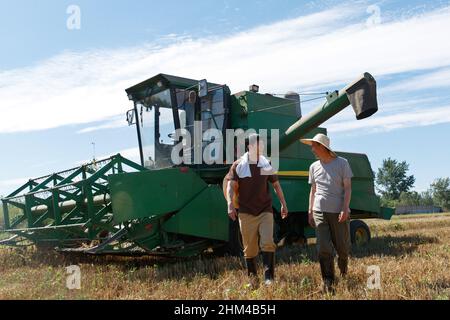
359,233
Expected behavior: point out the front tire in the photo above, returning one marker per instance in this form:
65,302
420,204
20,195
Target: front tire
359,233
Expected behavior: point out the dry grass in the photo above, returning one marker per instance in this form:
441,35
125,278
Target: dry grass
413,253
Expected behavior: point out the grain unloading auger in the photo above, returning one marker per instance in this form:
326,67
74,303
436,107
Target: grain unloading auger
162,208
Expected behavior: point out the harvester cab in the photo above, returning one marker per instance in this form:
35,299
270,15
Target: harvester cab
164,104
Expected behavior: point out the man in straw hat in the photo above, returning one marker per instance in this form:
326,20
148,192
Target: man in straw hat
329,200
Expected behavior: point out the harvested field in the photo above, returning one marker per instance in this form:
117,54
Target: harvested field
412,252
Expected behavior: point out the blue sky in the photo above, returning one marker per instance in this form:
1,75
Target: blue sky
61,89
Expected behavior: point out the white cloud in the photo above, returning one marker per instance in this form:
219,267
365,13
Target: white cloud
325,48
423,117
390,107
435,79
117,123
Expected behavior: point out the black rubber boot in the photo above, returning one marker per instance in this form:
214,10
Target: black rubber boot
251,267
328,286
327,267
269,267
343,266
252,272
327,270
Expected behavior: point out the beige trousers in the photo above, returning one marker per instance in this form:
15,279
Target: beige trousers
257,233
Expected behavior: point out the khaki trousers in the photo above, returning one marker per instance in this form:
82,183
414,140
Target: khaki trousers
257,233
332,235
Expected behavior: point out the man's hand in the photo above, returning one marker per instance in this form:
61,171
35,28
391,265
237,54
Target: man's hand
231,209
277,187
344,215
284,211
311,221
232,212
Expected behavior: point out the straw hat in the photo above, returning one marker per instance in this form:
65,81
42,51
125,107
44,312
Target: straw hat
322,139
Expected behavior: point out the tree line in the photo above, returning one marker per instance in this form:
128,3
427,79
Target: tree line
395,187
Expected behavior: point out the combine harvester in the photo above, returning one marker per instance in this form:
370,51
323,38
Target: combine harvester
116,206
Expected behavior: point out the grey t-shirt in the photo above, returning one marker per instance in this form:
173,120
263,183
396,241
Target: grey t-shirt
329,180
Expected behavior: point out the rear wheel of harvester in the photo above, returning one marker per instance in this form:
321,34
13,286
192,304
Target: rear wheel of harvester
359,233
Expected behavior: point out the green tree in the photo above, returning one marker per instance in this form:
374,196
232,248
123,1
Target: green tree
440,190
392,179
411,198
426,198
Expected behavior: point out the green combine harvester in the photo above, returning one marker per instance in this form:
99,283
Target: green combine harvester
157,207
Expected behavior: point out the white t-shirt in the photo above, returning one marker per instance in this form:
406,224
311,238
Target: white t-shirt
329,181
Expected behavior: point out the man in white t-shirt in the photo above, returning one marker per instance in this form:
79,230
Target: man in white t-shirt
329,200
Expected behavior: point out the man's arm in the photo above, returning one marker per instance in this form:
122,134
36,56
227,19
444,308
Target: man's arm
230,191
311,205
279,191
345,213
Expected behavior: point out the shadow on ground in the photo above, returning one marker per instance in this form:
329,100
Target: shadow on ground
207,264
394,246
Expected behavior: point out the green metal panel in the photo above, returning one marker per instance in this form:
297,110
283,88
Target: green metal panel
262,120
259,111
363,192
386,213
359,163
146,233
144,194
250,110
205,216
271,105
364,201
296,193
